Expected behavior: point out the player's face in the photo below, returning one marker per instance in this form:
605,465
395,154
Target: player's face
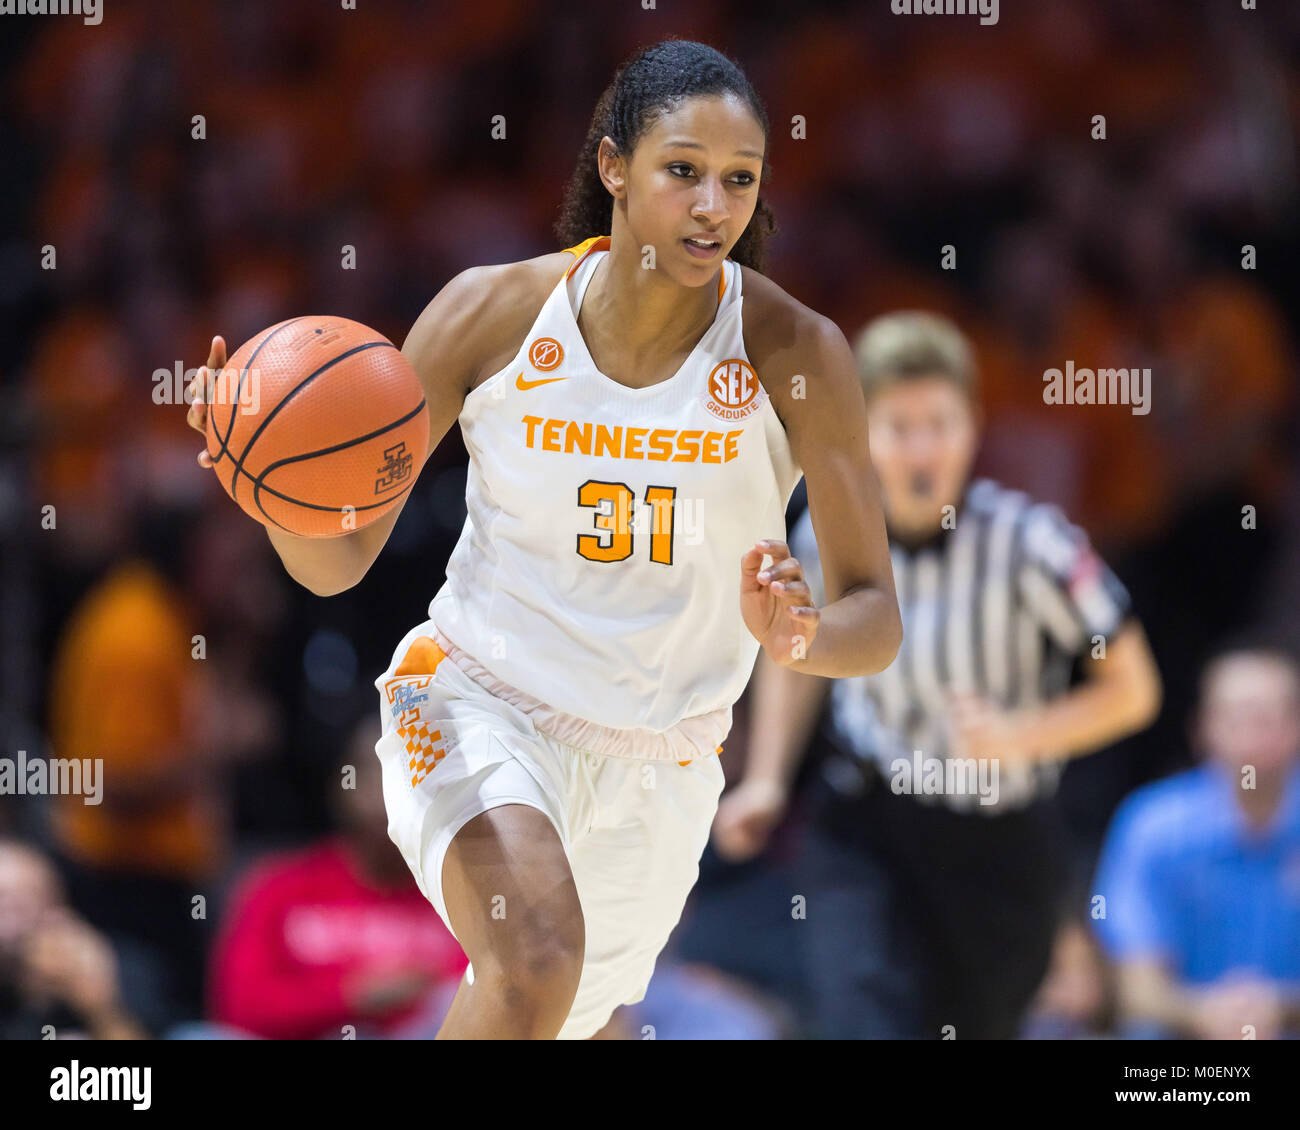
695,173
923,435
1251,715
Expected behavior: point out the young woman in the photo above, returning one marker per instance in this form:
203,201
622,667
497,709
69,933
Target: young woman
550,731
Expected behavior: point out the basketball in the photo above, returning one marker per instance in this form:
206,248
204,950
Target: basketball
317,426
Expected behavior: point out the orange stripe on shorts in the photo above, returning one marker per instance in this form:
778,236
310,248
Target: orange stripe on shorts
421,658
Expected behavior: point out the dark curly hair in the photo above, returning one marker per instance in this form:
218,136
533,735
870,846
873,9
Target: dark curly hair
647,86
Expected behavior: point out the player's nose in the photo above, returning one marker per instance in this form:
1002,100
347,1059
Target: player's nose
711,201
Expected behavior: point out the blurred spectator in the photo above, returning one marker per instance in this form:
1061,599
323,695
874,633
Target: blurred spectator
337,934
55,971
1076,1000
1201,872
693,1001
128,687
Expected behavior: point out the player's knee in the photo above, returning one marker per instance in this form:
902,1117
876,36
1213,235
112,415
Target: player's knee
536,983
546,948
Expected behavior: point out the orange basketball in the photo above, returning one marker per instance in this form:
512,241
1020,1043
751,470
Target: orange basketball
317,426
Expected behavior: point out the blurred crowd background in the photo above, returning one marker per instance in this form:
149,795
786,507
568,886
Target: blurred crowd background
228,884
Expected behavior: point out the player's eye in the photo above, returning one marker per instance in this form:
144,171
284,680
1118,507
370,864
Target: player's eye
680,165
749,179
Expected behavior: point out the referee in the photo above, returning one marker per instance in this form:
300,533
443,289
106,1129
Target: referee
934,864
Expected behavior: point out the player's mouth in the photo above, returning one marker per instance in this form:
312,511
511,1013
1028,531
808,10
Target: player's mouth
922,483
703,246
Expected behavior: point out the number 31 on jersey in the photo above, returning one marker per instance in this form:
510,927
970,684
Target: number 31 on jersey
613,503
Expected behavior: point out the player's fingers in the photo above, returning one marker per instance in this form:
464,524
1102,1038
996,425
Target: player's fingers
205,460
217,353
197,390
775,548
750,562
787,570
197,415
792,592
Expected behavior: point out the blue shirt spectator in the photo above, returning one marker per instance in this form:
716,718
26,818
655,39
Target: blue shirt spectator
1188,881
1200,873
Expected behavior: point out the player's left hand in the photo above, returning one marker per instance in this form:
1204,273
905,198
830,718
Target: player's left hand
776,603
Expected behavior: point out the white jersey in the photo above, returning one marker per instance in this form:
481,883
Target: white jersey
598,570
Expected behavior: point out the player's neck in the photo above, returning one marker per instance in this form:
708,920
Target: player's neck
640,314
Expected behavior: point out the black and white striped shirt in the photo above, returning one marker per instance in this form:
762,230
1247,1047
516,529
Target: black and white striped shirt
1000,605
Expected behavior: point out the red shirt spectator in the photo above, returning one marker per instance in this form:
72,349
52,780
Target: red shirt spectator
312,943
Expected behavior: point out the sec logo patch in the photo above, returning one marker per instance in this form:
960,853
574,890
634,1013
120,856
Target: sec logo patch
733,391
545,354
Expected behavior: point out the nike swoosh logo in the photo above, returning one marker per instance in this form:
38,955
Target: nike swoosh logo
524,385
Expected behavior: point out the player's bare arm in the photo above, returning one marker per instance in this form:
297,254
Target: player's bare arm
449,346
808,369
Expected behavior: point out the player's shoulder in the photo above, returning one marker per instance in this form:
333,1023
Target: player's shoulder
484,311
782,335
499,286
498,295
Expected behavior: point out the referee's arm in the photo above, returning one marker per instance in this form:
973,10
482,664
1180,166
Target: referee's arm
1085,610
784,705
783,709
1120,694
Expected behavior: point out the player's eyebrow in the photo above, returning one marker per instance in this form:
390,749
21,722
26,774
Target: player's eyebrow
676,144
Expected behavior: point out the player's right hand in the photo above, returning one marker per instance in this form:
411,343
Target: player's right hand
197,417
746,817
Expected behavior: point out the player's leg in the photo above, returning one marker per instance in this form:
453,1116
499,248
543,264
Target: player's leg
634,867
476,803
514,907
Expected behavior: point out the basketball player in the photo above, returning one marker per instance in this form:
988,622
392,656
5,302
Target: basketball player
932,894
551,731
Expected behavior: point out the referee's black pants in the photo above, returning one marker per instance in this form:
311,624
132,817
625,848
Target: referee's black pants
925,923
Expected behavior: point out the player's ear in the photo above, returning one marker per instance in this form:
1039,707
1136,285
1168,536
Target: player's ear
613,167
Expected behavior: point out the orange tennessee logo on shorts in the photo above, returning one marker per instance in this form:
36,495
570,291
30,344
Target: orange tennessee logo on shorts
424,747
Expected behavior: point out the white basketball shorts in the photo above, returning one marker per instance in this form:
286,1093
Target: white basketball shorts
633,830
